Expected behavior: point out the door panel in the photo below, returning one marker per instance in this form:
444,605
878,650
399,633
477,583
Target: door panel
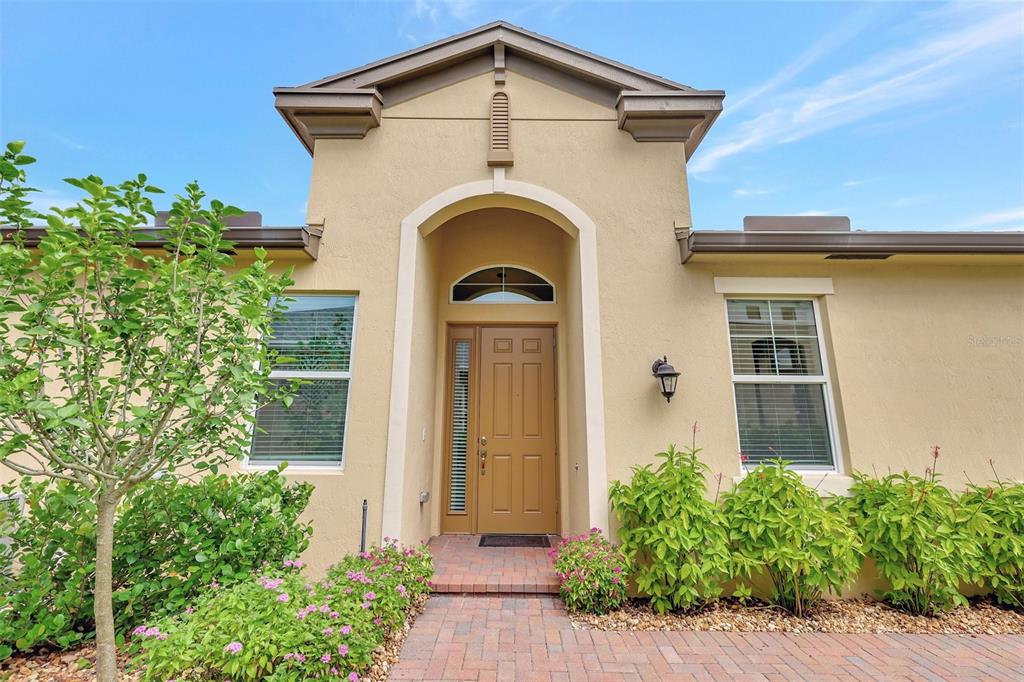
516,467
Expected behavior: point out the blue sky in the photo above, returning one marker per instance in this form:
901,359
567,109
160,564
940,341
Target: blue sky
900,115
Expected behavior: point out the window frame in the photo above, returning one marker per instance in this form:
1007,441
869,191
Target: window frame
458,280
304,465
824,380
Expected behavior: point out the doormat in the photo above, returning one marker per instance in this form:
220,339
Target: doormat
514,541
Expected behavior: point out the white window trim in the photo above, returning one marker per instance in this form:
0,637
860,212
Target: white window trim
769,287
312,467
547,280
825,379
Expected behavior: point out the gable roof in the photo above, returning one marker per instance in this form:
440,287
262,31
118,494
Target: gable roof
650,107
476,41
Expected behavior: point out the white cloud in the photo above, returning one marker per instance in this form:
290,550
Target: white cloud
856,183
436,17
901,202
975,48
45,199
846,31
1007,218
68,142
749,192
817,211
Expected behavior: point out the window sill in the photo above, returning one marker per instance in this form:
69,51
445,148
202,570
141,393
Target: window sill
828,484
296,469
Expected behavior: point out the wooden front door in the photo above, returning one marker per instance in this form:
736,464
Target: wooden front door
517,441
502,474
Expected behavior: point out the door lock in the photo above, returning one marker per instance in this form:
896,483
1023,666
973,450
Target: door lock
483,456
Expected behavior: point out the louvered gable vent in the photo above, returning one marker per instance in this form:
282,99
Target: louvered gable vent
500,153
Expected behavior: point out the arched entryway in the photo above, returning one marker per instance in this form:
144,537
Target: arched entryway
471,226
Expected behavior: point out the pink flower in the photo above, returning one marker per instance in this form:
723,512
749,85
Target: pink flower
370,596
342,650
233,648
271,583
283,597
335,615
328,631
366,605
326,658
353,676
346,629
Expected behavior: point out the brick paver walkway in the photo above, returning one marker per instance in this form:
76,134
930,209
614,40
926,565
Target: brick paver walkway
461,565
477,637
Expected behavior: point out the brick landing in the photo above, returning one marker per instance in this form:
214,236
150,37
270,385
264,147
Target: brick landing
461,566
524,638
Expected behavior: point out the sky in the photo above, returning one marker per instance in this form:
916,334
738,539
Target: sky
903,116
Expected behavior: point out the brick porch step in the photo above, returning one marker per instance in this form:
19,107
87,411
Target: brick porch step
462,566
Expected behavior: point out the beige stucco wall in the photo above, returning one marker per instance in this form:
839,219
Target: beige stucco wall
911,340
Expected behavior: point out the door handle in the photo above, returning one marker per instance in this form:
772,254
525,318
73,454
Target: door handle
483,462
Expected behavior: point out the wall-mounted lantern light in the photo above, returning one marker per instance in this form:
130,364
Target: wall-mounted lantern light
666,375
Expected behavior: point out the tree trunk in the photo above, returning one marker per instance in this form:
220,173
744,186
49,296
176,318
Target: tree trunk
103,606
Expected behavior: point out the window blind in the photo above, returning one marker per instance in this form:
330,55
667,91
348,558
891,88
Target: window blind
784,420
460,429
316,332
314,340
773,343
311,429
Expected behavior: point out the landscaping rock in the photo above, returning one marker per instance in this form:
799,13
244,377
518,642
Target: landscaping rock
831,616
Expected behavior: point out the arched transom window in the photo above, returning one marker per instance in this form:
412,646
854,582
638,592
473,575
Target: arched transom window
503,284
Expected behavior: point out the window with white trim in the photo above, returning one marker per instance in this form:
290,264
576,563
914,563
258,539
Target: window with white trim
316,333
781,383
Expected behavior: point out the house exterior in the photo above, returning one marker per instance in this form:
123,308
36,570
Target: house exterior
498,247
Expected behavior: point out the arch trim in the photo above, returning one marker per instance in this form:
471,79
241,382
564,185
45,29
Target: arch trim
429,216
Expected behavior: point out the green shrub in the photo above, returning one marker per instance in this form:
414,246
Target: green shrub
780,526
674,538
279,629
591,573
173,538
921,542
1002,547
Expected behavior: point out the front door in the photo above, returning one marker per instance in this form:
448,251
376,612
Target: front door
516,468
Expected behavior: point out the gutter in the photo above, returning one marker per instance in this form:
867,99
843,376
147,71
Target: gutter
305,238
847,245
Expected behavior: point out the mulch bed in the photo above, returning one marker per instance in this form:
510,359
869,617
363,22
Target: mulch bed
832,616
78,665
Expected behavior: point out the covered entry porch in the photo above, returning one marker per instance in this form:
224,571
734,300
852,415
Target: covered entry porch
496,421
462,566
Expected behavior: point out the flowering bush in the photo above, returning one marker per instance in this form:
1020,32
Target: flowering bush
672,535
780,526
173,538
591,573
276,627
